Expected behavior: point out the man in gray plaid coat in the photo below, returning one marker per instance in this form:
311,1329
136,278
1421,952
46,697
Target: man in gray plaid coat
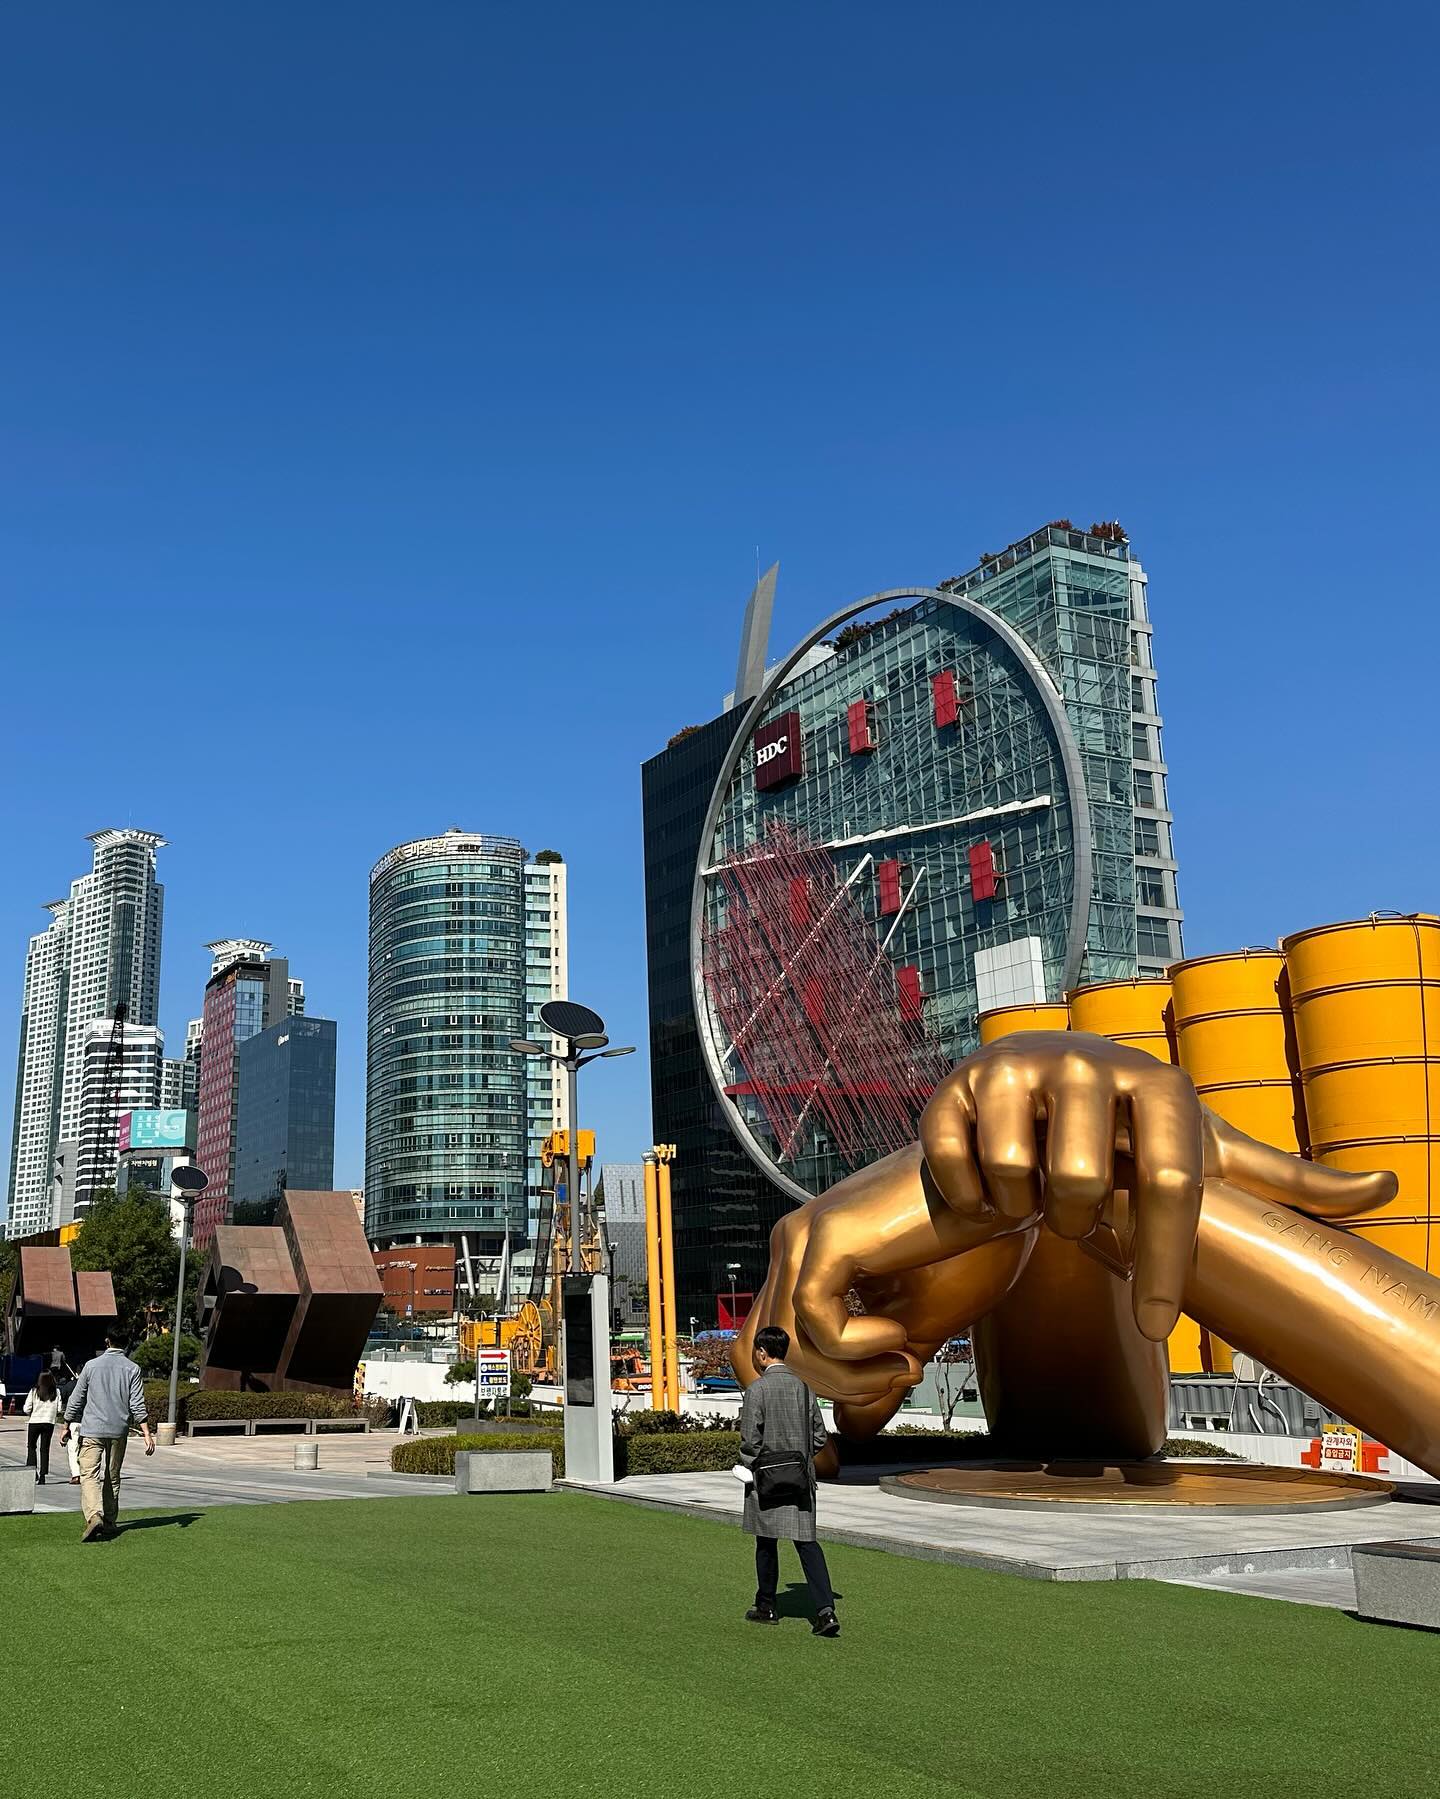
780,1419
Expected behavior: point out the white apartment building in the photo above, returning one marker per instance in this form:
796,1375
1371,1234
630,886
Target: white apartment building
104,1094
547,976
102,946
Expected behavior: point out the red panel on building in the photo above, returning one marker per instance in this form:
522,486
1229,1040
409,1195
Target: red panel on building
777,750
912,1000
982,871
942,686
799,902
862,736
888,874
732,1317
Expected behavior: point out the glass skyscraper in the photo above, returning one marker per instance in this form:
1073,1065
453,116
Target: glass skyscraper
467,939
248,990
285,1116
995,809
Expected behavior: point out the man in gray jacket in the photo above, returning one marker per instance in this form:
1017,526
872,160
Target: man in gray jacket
108,1397
780,1419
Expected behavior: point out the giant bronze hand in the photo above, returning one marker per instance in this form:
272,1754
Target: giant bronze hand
1108,1146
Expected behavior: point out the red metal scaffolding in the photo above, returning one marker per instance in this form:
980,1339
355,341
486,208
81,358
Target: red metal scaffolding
824,1034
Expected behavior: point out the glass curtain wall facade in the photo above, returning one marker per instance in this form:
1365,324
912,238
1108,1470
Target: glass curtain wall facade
724,1208
446,1101
285,1118
1082,602
248,990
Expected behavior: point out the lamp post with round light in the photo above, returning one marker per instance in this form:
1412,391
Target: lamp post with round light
583,1033
187,1183
585,1309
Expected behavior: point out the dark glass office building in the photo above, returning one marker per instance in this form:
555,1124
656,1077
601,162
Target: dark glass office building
724,1207
285,1115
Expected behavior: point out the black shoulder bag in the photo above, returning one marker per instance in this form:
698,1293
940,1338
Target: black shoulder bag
782,1477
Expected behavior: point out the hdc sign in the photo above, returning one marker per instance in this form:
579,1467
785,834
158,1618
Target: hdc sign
777,747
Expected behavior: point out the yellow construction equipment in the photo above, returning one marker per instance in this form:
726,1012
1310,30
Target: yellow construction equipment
660,1272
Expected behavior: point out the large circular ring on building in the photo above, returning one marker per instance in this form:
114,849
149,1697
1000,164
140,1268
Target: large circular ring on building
821,1044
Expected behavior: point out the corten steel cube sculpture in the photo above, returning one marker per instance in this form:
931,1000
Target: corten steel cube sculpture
247,1299
53,1307
288,1306
340,1291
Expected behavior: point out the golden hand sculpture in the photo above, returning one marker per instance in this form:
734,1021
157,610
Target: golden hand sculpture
1067,1199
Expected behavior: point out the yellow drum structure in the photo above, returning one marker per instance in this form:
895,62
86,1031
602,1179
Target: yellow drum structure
1139,1013
1000,1021
1231,1038
1133,1012
1365,1001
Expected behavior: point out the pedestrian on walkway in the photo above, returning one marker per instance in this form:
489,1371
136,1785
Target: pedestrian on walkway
44,1409
109,1396
71,1444
781,1432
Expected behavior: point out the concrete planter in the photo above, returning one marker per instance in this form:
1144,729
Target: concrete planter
510,1471
17,1488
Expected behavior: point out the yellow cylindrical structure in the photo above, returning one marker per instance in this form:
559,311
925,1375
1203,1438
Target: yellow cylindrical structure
1133,1012
1232,1039
652,1276
1000,1021
1138,1013
1365,1004
667,1289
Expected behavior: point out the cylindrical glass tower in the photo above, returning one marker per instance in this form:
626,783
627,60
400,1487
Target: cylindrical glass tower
445,1108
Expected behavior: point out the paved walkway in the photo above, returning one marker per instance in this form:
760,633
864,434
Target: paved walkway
216,1470
1239,1554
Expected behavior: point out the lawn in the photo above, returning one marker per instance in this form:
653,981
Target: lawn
562,1645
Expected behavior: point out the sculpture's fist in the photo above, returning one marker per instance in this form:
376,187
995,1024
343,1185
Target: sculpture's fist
1060,1122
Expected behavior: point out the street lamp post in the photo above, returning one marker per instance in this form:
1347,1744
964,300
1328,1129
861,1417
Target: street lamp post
732,1269
584,1320
187,1183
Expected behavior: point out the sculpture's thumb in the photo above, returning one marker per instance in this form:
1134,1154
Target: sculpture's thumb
1309,1187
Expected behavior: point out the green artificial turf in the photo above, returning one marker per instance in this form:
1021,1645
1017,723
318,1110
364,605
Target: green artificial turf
540,1645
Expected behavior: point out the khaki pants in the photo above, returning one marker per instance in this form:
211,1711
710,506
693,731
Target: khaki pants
100,1461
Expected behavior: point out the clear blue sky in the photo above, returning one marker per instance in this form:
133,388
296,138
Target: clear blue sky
394,399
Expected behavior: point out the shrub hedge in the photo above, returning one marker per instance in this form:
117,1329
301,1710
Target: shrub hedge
651,1423
678,1452
157,1401
221,1404
436,1455
448,1411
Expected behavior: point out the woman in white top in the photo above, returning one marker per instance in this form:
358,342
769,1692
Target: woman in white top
44,1408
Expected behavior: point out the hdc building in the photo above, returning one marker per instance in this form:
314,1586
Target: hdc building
962,784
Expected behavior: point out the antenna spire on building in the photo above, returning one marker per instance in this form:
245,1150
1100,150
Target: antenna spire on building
755,638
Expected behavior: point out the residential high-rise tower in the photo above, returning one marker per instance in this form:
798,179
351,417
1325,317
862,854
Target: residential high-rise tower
102,948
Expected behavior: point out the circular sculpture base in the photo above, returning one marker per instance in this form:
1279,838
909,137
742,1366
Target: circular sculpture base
1215,1488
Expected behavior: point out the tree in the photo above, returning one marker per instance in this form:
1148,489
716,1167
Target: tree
9,1262
709,1359
130,1239
152,1357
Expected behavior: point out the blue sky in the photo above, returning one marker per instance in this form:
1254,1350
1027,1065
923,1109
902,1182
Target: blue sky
395,399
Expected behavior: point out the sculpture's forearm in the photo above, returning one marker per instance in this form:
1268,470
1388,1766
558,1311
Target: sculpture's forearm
1351,1324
